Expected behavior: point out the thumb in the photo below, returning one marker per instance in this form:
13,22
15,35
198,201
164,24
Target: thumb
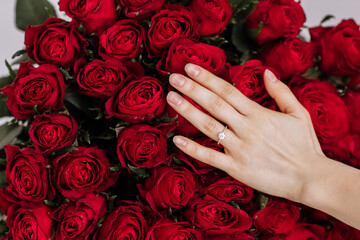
281,93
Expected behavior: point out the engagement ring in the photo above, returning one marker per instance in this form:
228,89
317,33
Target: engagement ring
221,135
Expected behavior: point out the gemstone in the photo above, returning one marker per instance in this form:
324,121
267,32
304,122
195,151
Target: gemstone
221,136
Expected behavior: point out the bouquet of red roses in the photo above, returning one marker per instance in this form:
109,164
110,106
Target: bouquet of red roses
89,154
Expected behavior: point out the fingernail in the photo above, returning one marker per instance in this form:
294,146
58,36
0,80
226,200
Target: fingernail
270,75
192,69
177,80
179,141
174,98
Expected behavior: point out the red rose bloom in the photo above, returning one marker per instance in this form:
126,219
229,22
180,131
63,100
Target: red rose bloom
82,171
276,19
122,40
169,24
140,101
28,176
342,231
55,42
278,216
43,87
307,231
290,57
354,83
140,9
237,236
213,16
77,220
168,187
339,48
352,101
50,133
4,203
103,79
92,14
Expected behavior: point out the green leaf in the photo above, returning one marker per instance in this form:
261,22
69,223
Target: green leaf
63,151
234,204
78,103
263,201
327,18
115,168
140,172
32,12
4,81
254,32
240,38
3,180
11,71
19,53
356,87
9,133
49,203
3,161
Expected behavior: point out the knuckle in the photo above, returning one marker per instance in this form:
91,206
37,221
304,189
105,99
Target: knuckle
228,90
211,158
193,150
210,125
191,87
217,104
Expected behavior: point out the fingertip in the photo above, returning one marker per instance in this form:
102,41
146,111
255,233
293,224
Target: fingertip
192,70
179,141
269,75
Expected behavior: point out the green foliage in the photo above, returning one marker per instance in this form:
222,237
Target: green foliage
326,18
8,133
140,172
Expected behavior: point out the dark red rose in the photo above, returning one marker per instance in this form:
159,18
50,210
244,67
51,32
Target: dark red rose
4,203
249,79
139,101
171,23
342,231
290,57
122,40
28,176
216,217
327,110
140,9
92,14
143,145
103,79
352,101
77,220
276,19
213,16
168,187
169,230
50,133
279,216
32,223
354,83
83,171
185,51
237,236
339,48
56,42
307,231
43,87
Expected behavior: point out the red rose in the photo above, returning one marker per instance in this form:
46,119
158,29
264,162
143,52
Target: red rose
169,230
169,24
4,203
290,57
82,171
185,51
339,48
307,231
43,87
276,19
342,231
213,16
102,79
139,101
216,217
237,236
33,223
354,83
54,42
249,79
327,110
122,40
50,133
352,101
279,216
28,176
140,9
77,220
93,15
143,145
168,187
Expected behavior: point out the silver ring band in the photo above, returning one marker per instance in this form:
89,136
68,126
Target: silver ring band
221,135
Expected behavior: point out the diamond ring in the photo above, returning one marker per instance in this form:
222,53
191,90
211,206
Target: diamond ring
221,135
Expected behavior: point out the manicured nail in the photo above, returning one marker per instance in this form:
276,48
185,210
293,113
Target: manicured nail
174,98
270,75
177,80
192,70
179,141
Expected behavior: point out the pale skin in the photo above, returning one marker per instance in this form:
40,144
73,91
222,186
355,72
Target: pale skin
277,153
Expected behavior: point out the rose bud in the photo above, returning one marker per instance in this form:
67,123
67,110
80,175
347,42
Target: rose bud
83,171
338,47
171,23
103,79
55,42
213,16
93,15
352,101
139,101
168,187
122,40
77,220
29,223
140,9
290,57
276,19
50,133
28,176
42,87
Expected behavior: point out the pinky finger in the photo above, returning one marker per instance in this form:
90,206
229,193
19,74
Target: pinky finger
203,154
